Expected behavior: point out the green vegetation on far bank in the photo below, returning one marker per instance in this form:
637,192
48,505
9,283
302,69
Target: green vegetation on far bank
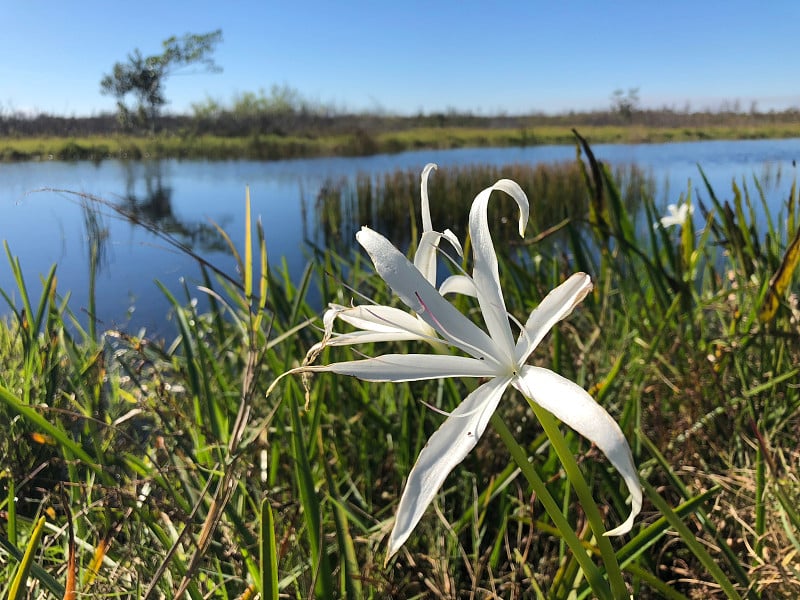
360,142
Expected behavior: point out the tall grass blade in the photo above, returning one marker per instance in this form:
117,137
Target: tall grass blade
269,553
20,579
691,542
47,580
653,532
593,575
248,248
11,511
590,509
351,584
732,559
312,510
598,209
53,430
70,589
664,589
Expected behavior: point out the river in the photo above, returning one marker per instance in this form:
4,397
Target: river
187,197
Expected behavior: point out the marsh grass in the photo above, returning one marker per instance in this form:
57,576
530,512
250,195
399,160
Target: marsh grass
357,141
389,203
159,465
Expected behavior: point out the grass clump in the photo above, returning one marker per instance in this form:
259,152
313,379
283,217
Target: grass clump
159,465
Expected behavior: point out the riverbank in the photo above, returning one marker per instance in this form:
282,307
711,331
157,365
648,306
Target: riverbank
360,142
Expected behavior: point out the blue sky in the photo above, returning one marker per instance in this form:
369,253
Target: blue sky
406,57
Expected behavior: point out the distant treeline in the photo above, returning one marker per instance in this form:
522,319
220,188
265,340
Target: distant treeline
315,123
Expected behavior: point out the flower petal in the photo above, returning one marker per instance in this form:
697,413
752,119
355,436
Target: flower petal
420,296
371,337
451,237
427,225
382,318
570,403
426,255
485,274
458,284
378,324
557,305
445,449
409,367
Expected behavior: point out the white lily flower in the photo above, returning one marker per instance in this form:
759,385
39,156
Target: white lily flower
494,355
386,323
676,215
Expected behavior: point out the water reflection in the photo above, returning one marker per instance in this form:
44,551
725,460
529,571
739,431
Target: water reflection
184,197
97,235
148,200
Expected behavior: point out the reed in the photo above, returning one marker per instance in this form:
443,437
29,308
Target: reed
389,203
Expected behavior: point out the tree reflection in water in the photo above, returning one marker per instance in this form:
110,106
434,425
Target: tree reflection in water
153,207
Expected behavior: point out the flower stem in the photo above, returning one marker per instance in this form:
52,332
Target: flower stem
584,494
590,570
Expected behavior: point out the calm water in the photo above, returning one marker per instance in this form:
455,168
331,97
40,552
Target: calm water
44,227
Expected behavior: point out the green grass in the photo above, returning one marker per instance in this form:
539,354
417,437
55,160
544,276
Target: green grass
160,465
273,146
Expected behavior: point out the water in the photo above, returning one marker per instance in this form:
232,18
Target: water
187,197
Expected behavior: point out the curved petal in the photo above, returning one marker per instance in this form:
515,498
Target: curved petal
426,255
420,296
425,205
458,284
451,237
409,367
554,307
485,273
371,337
382,318
356,337
377,324
571,404
445,449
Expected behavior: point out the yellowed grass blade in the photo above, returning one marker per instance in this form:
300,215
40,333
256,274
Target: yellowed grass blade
780,281
18,585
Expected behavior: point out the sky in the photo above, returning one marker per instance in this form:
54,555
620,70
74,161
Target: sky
406,57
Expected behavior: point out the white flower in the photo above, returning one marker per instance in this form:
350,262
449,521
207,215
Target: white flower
491,354
676,215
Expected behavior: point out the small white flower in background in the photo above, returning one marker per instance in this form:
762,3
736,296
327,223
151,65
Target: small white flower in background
491,354
676,215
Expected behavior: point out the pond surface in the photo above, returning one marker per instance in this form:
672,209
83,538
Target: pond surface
187,197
